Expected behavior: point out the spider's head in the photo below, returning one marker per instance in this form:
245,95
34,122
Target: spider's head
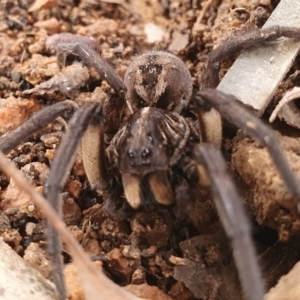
158,79
143,147
144,159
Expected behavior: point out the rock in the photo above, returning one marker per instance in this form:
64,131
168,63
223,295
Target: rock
119,265
18,280
36,258
71,212
14,112
73,283
148,292
74,187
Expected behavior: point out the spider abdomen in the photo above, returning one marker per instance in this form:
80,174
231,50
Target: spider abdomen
158,79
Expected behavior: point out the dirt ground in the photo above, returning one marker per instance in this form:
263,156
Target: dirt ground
141,252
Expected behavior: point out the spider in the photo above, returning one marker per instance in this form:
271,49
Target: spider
160,142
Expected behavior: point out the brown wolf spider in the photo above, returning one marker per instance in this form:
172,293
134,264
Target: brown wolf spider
159,142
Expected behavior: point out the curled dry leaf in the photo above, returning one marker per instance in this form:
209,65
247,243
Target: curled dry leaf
66,83
286,109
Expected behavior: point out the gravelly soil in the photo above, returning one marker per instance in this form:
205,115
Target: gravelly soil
138,249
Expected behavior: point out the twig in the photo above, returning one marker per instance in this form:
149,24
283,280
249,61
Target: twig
203,11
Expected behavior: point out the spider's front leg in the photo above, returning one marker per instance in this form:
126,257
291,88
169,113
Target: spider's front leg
228,203
60,169
232,215
233,218
37,121
61,164
92,146
233,111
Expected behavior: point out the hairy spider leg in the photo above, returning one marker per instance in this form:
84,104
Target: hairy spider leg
115,103
60,166
234,44
60,169
37,121
233,111
92,59
233,218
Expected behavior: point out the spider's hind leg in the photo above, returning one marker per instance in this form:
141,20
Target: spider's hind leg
115,104
236,43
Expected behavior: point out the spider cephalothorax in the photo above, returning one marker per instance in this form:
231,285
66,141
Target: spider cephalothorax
146,148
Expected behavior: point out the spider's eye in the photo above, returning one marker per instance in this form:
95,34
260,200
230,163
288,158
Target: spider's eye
146,152
150,138
130,153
